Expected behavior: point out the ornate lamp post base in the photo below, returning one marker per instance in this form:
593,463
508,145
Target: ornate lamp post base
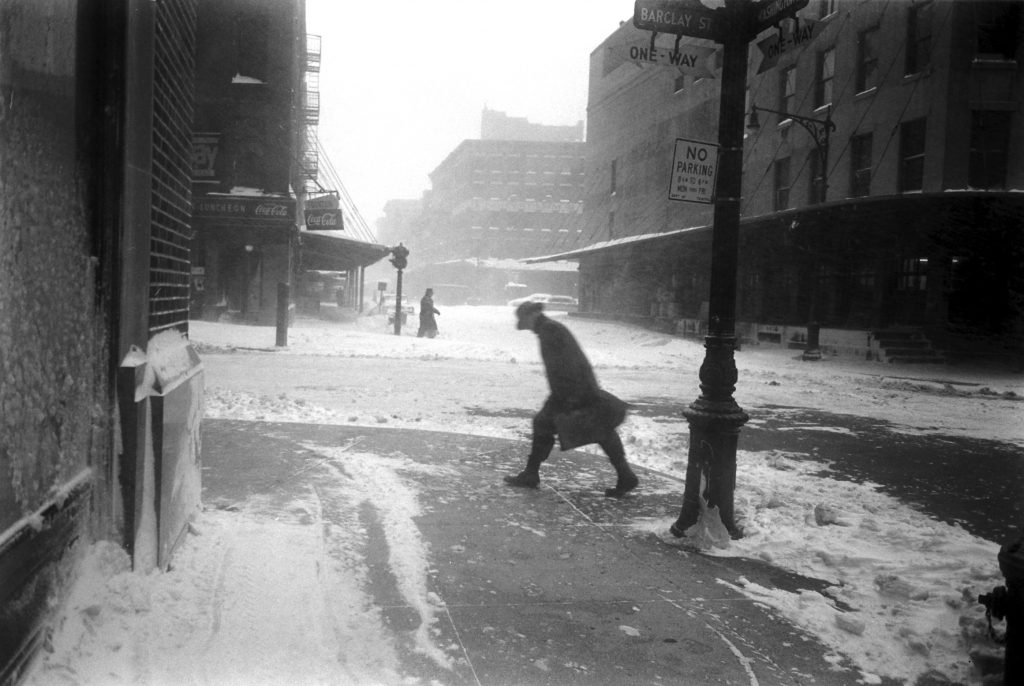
715,420
813,351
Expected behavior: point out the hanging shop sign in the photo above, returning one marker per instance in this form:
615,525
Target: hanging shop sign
205,147
694,171
324,220
322,202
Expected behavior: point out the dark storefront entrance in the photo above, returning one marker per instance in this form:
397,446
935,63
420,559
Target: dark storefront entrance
244,247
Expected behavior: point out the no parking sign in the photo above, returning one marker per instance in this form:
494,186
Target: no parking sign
694,170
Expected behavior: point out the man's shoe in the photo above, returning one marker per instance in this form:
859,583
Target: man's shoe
524,479
623,486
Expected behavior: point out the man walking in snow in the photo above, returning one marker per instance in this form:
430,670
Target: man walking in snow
578,410
428,325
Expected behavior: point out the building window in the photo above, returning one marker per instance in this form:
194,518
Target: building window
860,165
827,7
612,174
787,89
919,37
990,139
867,60
826,72
781,183
818,182
788,281
913,274
912,155
996,24
864,278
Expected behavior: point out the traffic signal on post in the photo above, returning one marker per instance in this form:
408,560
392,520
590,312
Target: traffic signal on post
400,255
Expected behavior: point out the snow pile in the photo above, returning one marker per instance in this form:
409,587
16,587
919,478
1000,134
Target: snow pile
294,585
122,627
902,600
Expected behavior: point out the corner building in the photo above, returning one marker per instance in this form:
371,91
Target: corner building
900,236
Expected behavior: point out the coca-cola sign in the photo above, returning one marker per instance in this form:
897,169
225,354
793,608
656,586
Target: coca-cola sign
269,209
324,220
228,207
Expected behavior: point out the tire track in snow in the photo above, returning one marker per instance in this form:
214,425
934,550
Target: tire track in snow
363,647
375,479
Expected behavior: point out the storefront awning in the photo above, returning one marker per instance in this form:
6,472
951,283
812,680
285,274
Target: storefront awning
849,208
335,251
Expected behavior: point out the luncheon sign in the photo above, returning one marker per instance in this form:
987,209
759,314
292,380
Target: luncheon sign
694,169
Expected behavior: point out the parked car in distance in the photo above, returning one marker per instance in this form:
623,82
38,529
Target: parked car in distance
551,302
387,305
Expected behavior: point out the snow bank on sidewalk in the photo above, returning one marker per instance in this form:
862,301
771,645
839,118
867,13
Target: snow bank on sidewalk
240,575
902,600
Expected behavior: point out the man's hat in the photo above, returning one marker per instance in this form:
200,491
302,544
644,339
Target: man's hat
526,309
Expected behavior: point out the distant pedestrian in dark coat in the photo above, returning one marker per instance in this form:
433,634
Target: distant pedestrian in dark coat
428,325
578,411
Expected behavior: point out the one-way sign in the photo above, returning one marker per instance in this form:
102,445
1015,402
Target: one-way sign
778,44
681,17
688,59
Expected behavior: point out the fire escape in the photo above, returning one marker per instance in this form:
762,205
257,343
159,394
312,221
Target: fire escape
309,158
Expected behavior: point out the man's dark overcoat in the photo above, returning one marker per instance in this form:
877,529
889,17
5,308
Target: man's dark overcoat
578,409
570,376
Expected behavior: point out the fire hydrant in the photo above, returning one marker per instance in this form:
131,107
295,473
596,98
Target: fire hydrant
1008,602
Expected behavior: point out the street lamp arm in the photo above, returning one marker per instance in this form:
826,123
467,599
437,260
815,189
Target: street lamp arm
818,128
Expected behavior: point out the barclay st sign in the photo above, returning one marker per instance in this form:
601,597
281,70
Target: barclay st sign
681,17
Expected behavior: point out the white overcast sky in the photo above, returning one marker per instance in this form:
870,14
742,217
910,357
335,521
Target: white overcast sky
403,82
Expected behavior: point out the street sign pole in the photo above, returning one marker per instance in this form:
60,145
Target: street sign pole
715,418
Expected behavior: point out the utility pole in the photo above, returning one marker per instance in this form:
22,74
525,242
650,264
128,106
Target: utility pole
714,417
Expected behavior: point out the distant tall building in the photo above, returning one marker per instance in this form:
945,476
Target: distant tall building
399,220
498,126
517,192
